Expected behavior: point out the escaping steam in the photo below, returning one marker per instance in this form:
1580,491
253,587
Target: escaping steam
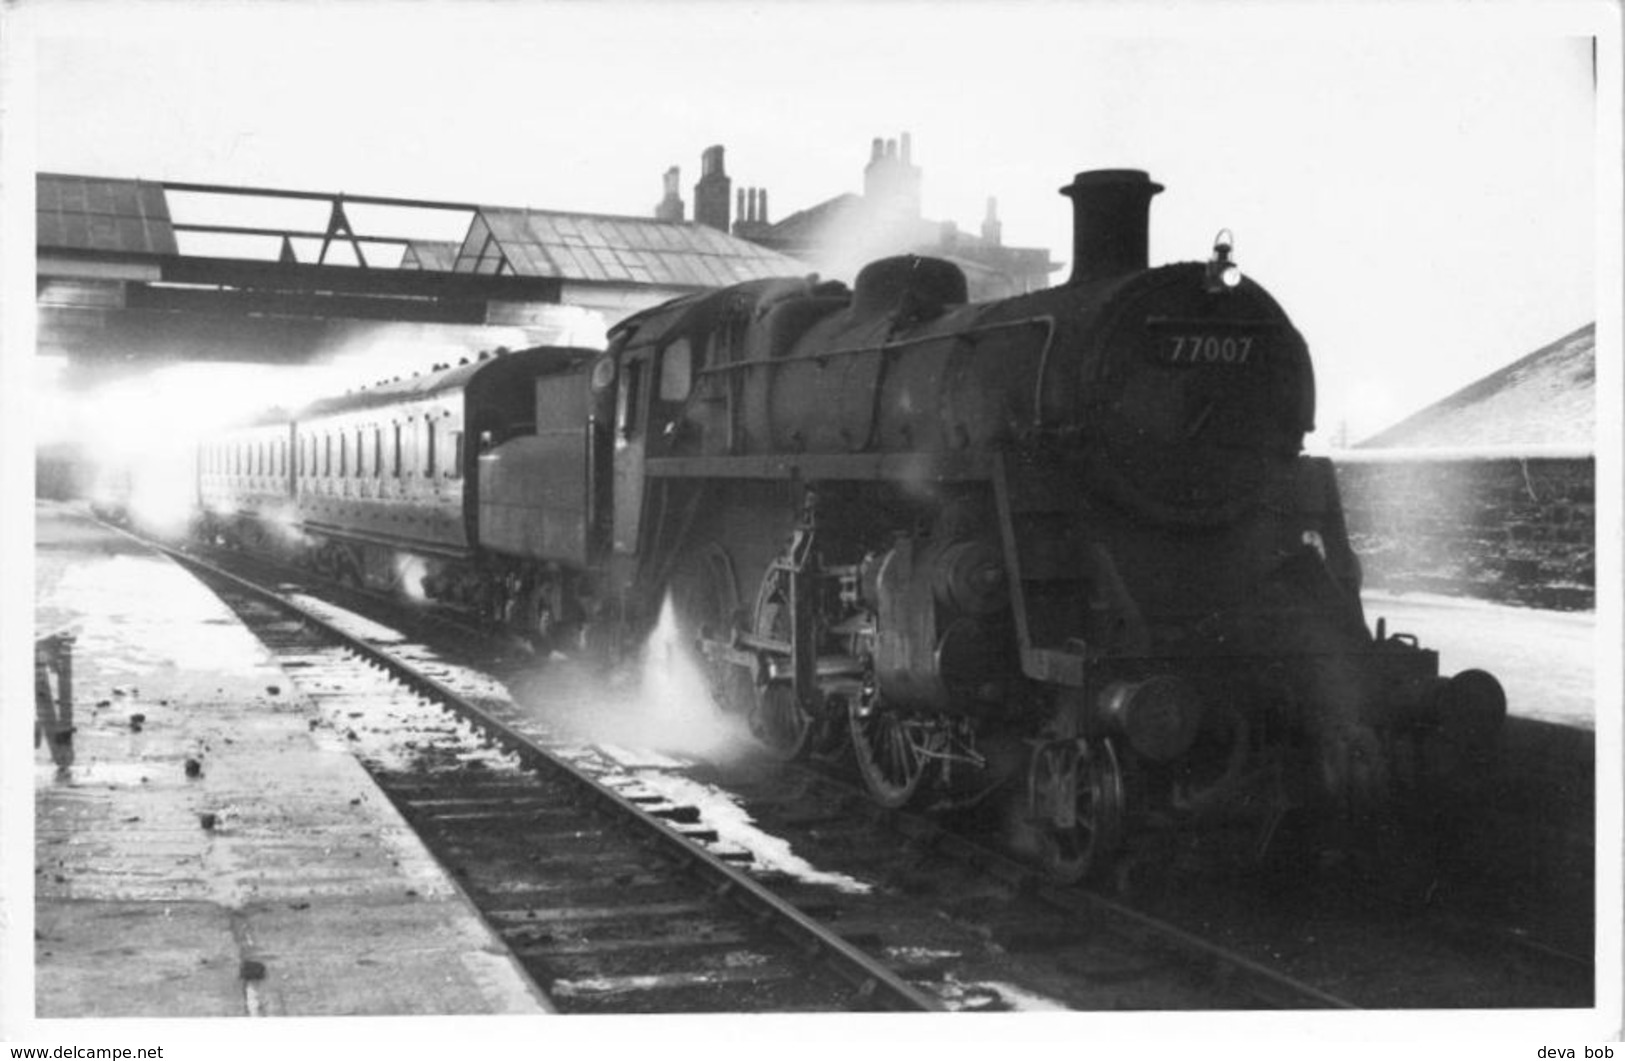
409,573
658,702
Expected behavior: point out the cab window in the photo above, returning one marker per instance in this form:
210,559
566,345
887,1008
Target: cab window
631,397
676,371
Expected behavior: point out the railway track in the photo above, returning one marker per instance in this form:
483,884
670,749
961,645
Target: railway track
957,924
603,895
1269,936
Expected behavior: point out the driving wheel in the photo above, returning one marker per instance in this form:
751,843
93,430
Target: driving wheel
777,718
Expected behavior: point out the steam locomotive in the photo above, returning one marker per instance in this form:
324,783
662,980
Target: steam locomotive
1064,547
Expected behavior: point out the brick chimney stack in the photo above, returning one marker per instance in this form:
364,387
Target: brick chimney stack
752,210
670,207
992,227
891,180
711,193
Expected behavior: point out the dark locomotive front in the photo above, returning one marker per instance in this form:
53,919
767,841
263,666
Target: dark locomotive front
1063,546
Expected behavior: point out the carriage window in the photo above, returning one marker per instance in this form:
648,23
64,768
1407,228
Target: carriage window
676,371
377,453
397,450
428,460
456,469
327,455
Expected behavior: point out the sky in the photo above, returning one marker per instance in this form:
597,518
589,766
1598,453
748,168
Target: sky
1418,191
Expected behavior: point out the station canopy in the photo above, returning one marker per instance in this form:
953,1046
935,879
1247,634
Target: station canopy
600,248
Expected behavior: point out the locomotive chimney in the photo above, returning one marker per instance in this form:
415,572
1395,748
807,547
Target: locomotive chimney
1111,211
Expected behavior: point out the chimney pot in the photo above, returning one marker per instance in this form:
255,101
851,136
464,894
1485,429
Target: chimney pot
711,160
670,207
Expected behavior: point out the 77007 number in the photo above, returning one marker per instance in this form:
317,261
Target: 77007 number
1208,349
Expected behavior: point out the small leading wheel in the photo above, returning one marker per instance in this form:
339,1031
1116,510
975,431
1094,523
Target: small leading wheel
777,718
1077,790
889,754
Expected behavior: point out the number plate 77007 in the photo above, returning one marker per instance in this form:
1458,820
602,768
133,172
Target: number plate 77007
1182,343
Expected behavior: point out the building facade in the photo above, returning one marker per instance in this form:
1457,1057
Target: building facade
1490,493
840,235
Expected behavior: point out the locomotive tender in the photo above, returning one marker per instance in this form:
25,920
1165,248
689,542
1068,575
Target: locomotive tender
1063,546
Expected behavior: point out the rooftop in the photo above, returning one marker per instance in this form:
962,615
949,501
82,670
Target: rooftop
614,249
1545,399
102,214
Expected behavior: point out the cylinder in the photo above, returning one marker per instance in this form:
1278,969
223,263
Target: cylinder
1159,716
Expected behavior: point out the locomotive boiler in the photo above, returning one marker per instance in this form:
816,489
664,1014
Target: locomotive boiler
1065,545
1062,550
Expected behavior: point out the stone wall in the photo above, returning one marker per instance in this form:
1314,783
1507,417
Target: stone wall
1508,529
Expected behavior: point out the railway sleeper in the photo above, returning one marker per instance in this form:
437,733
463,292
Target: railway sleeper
559,949
699,959
780,990
508,921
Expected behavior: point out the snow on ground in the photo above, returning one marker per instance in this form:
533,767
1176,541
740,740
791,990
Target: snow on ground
993,994
1545,660
353,624
719,811
155,620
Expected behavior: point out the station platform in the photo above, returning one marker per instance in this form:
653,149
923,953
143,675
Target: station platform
271,877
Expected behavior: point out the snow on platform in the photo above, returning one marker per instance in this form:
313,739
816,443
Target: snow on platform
272,877
1545,660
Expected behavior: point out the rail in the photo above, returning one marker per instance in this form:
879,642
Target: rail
875,985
